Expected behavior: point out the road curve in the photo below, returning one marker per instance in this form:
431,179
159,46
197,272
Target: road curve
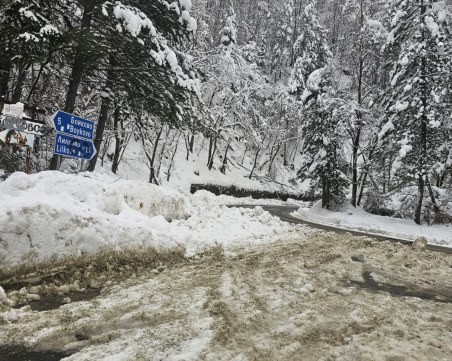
285,214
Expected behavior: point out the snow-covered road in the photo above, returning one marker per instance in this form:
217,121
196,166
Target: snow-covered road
306,296
288,214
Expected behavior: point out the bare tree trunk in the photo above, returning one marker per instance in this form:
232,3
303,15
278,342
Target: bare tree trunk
168,174
77,70
272,159
103,116
325,193
423,131
359,115
38,76
420,198
5,71
189,144
192,142
152,175
212,150
225,159
255,163
119,141
22,73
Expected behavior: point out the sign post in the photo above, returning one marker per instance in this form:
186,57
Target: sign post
72,147
73,125
18,130
22,125
74,136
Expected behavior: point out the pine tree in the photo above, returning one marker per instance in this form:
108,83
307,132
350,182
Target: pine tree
28,35
322,133
419,94
310,50
228,35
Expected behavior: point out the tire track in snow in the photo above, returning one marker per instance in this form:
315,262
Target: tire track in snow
293,299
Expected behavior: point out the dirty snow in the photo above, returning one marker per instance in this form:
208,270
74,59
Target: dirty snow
306,296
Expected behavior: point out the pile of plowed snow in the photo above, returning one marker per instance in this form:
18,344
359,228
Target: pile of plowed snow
52,214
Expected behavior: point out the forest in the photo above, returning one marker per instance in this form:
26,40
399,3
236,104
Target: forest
347,101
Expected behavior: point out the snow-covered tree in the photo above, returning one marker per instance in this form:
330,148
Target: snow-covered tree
417,101
228,35
135,47
322,130
310,50
28,36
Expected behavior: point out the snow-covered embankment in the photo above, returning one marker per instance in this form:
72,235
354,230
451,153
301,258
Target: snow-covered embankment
51,214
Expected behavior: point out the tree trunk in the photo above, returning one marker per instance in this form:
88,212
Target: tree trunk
355,168
77,70
152,176
38,76
5,71
420,197
325,193
272,158
22,73
79,60
225,159
118,140
255,163
432,198
192,142
212,151
359,115
103,116
168,174
423,132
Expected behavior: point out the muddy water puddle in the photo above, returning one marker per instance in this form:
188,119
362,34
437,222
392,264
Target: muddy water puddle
372,285
21,354
52,302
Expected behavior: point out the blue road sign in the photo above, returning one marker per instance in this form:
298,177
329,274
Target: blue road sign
69,146
73,125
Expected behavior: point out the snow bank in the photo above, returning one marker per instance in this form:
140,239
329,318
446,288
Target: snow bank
358,219
52,214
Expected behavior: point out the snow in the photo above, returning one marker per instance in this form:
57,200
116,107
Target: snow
133,22
3,297
404,61
432,26
302,297
388,127
358,219
185,4
49,30
401,106
399,14
52,215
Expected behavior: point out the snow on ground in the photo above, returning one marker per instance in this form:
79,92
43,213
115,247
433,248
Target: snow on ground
315,296
358,219
185,172
52,214
205,196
